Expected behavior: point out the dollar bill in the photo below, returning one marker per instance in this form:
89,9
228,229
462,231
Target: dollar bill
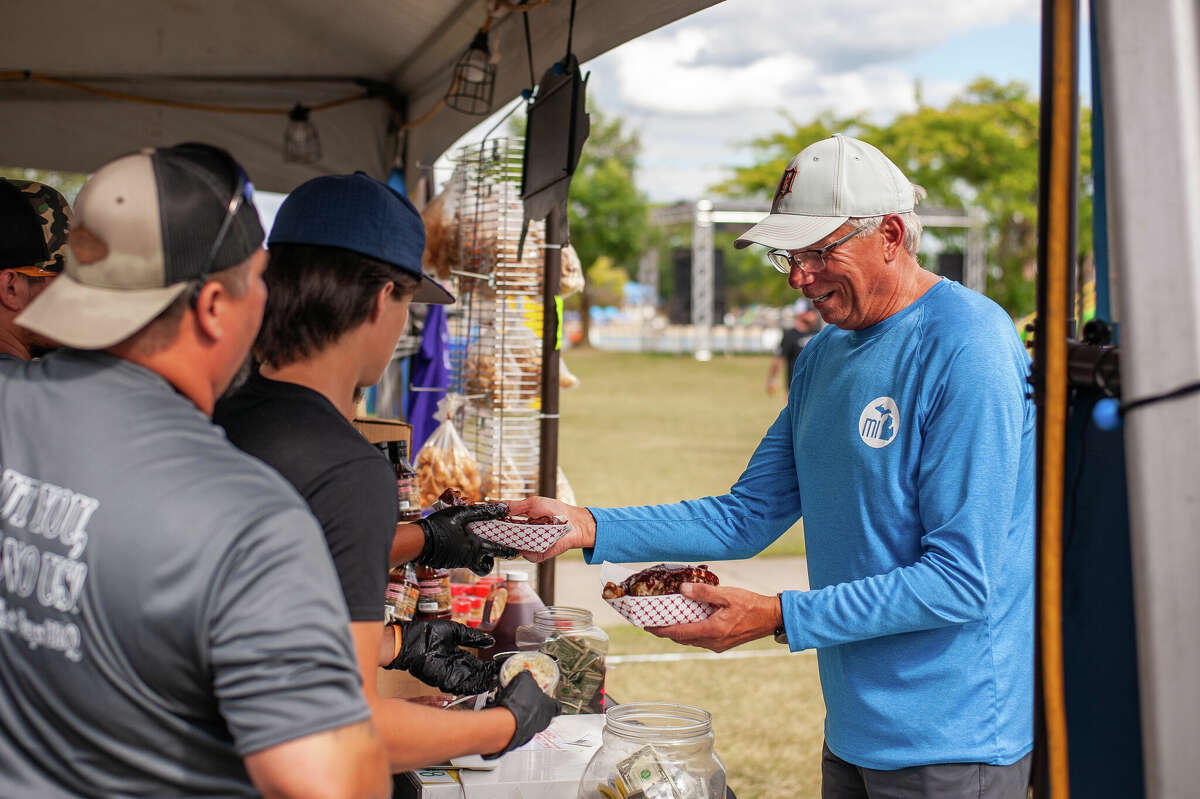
594,662
644,772
570,652
587,684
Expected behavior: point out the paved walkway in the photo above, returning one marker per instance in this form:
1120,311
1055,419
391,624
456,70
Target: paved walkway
578,585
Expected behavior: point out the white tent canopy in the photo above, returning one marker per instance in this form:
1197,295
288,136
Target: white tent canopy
274,55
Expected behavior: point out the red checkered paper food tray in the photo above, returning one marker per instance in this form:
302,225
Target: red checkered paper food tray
653,611
660,611
525,537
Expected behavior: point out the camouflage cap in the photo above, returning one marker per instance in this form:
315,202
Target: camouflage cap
35,222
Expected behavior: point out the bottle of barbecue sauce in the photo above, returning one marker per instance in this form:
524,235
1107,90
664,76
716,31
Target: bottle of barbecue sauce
522,602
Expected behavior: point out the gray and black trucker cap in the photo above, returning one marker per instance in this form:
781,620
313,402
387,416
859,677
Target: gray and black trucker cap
144,228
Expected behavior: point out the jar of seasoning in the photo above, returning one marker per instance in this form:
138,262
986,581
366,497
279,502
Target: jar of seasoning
655,749
400,598
571,637
460,609
434,599
475,614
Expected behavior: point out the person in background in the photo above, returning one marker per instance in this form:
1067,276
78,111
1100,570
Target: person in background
807,324
345,264
34,220
170,621
908,447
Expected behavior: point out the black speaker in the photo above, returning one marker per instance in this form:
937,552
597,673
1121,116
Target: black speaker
679,304
950,264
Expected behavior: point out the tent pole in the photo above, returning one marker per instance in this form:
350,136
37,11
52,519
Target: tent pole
556,235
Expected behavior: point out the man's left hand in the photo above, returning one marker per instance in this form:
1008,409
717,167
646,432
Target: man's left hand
740,616
449,544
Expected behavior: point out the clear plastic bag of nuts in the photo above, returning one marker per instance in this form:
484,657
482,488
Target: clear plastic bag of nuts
444,460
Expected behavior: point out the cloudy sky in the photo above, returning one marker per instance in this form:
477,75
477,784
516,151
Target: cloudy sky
697,90
700,87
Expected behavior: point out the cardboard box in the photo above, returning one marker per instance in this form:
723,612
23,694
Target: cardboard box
377,430
399,684
428,783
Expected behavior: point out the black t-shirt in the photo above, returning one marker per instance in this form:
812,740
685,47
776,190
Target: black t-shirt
790,345
348,484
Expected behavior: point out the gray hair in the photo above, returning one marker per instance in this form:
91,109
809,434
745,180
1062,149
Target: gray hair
912,223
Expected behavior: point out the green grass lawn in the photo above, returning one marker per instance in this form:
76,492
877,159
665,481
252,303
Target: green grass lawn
644,429
767,712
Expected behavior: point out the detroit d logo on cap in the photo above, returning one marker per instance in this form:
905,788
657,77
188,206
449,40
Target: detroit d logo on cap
879,422
785,183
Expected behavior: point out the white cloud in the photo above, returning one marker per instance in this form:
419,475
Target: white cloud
748,53
668,77
698,89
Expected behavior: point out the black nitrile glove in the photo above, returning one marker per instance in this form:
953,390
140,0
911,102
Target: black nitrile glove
532,709
449,544
429,651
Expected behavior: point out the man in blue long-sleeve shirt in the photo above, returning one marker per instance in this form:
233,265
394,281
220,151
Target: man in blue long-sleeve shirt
907,445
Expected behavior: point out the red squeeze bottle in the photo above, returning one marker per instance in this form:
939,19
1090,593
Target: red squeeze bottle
522,602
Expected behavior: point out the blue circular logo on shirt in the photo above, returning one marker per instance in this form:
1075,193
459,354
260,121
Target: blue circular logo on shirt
879,422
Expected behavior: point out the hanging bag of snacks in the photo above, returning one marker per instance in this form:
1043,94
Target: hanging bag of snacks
444,461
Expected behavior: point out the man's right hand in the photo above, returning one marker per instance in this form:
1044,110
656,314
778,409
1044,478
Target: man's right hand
532,709
583,525
430,651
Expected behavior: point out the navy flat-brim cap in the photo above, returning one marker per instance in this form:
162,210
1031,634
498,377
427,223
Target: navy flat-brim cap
360,214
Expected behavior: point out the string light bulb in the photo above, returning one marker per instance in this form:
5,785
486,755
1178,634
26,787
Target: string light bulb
474,79
301,144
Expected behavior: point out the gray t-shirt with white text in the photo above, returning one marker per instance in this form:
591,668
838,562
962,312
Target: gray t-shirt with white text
167,604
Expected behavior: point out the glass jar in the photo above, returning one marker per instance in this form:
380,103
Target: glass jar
475,614
580,647
400,598
434,600
663,750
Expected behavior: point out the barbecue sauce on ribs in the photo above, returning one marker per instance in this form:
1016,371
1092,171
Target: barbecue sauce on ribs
660,580
452,497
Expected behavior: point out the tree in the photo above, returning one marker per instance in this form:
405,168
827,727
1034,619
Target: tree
605,282
607,214
980,150
67,183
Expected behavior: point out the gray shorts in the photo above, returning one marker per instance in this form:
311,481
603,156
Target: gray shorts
842,780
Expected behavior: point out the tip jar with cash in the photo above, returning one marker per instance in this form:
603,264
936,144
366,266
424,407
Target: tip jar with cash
570,637
655,750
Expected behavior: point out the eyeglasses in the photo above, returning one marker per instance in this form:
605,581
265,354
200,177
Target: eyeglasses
808,260
243,192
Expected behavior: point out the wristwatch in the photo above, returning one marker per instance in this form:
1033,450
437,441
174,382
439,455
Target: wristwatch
781,630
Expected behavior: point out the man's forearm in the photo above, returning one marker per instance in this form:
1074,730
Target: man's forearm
407,543
712,528
416,736
389,644
909,598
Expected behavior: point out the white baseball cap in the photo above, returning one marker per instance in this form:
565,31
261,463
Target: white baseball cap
826,184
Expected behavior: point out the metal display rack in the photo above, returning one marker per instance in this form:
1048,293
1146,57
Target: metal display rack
496,326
